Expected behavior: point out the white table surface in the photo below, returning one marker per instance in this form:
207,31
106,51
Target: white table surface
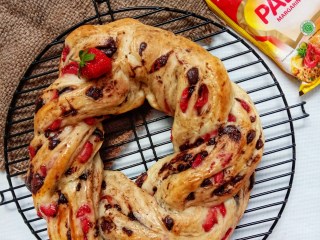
300,219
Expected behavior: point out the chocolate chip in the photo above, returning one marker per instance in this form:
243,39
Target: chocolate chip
107,224
168,222
103,185
250,136
69,235
70,112
84,176
107,206
36,183
53,142
154,189
259,144
94,93
127,231
109,48
116,206
140,180
62,198
232,132
190,197
204,154
252,119
180,167
199,141
142,47
66,89
131,216
160,62
78,187
193,75
236,179
206,182
187,157
69,171
251,182
236,198
222,190
39,104
212,141
98,133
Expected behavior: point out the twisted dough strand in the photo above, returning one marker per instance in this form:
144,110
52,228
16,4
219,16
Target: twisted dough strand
198,192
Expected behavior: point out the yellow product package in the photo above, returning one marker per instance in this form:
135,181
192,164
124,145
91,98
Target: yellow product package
288,31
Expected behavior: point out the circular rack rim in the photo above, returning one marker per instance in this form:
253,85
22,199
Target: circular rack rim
59,40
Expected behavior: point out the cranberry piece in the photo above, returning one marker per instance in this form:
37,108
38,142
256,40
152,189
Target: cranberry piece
43,170
55,94
186,95
83,210
197,161
85,225
32,151
211,219
90,121
244,105
227,234
86,152
231,118
218,178
222,209
55,125
142,47
203,94
50,210
65,52
71,68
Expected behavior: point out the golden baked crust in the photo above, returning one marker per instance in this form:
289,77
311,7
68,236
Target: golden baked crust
199,192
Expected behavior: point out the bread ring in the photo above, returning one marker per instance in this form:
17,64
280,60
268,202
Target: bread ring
198,192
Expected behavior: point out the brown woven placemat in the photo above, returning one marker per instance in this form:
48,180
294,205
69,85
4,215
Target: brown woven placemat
28,26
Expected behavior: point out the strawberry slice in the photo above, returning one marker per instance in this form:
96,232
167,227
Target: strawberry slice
71,68
244,104
90,121
86,152
203,94
94,63
50,210
222,209
55,125
83,210
231,118
211,219
32,151
65,52
85,225
218,178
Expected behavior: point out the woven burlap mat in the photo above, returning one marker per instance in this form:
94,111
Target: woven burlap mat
28,26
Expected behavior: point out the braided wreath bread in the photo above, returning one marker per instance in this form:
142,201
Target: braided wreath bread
198,192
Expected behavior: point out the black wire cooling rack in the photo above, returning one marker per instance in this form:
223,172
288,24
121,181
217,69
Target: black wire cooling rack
138,138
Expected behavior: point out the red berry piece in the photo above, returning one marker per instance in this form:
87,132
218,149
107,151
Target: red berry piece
71,68
86,152
231,118
39,214
108,198
227,234
65,52
218,178
55,125
184,100
83,210
85,225
197,161
32,151
49,210
225,158
94,63
203,94
210,135
211,219
43,170
244,104
90,121
55,94
222,208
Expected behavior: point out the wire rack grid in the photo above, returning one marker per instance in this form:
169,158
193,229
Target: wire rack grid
139,138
